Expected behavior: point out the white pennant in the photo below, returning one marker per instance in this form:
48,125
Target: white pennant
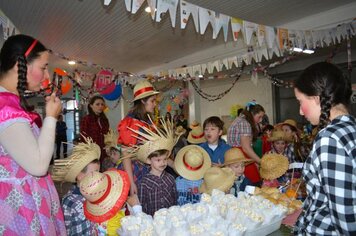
197,70
221,21
136,4
249,28
261,34
224,63
300,38
164,6
187,9
206,16
231,61
270,36
203,68
262,52
128,5
107,2
236,26
152,5
308,39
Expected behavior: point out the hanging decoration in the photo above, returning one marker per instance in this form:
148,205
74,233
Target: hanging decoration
114,94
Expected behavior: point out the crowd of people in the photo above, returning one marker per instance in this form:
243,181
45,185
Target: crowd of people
145,166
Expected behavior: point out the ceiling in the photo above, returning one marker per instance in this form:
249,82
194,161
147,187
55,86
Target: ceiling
112,37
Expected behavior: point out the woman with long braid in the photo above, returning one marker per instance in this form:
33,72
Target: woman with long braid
330,170
29,201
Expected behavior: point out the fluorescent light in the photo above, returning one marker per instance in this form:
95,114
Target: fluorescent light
148,9
308,51
71,62
297,49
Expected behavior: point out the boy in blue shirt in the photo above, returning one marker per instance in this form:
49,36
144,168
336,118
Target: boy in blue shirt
215,146
191,163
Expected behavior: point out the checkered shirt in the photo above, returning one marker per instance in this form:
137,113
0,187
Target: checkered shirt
239,127
156,192
74,218
330,174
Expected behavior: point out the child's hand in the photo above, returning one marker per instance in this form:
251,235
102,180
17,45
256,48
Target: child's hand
133,200
53,106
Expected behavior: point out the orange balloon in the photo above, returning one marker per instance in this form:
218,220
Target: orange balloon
45,85
66,86
61,72
291,193
169,107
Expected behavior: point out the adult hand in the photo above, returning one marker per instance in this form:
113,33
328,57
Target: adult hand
53,106
133,189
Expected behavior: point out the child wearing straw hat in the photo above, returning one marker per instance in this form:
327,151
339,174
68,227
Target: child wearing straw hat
214,145
84,160
236,161
273,166
217,178
191,164
113,150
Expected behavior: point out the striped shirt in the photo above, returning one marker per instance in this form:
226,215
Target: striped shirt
330,174
156,192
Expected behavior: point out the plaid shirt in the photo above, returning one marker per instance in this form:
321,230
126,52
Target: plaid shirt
330,174
74,218
157,192
188,190
239,127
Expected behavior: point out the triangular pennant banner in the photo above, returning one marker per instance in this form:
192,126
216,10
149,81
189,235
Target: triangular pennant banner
128,5
185,10
261,34
236,26
232,61
167,5
283,38
152,6
206,16
221,21
136,4
270,36
197,70
249,28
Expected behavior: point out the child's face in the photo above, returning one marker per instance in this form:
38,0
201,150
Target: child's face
288,130
91,167
158,164
279,146
114,156
268,132
238,168
212,133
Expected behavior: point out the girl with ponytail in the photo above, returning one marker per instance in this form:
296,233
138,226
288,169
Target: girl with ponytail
27,191
324,95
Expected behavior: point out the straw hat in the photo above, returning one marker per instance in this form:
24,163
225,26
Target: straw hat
217,178
105,194
194,124
196,135
191,162
155,140
110,140
180,131
234,155
289,122
278,135
143,89
273,166
67,170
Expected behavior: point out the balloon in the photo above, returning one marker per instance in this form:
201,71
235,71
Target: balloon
59,71
104,80
115,94
66,86
45,85
169,107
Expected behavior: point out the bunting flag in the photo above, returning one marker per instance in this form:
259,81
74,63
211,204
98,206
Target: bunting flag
197,70
167,5
203,68
206,16
224,63
249,28
136,4
232,61
300,39
236,26
270,36
292,38
259,53
261,34
221,21
187,9
107,2
152,6
308,39
282,38
128,5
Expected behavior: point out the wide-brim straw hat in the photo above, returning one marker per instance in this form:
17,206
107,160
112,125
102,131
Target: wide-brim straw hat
110,140
289,122
143,89
234,155
191,162
105,194
217,178
273,166
180,131
194,124
196,135
278,135
67,169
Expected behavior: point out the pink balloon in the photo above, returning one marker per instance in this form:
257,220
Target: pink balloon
103,82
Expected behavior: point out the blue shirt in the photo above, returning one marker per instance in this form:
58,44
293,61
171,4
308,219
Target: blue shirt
216,156
188,190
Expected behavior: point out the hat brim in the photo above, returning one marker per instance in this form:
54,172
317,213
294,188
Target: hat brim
286,139
276,165
192,140
103,211
247,162
187,173
144,95
223,186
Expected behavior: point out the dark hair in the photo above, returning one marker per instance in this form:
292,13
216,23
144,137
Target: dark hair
268,127
327,81
158,153
249,112
139,111
91,102
214,120
13,51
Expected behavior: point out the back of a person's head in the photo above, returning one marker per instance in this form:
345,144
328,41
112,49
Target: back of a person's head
327,81
215,121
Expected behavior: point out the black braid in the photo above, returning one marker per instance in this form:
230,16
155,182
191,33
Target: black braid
22,80
325,105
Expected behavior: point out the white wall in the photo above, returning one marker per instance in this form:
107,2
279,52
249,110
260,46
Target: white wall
243,92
